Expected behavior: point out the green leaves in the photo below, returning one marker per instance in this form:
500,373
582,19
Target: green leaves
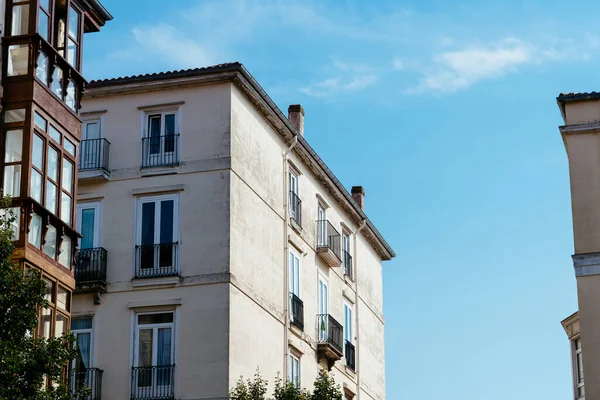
325,388
27,362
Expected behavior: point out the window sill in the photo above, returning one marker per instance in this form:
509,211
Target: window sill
161,170
158,281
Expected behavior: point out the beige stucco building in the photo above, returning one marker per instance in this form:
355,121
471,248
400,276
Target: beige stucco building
581,136
216,241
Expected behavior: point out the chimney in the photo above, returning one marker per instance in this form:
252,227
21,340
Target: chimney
296,117
358,193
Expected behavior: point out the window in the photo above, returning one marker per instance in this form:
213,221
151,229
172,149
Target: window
37,160
323,308
88,223
294,370
346,257
92,152
82,329
159,145
348,322
20,18
12,160
41,71
296,304
157,235
66,254
18,59
50,245
578,369
35,230
44,19
66,209
54,319
321,226
153,354
73,38
295,203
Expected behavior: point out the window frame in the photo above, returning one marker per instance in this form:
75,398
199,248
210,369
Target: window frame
97,207
146,113
92,333
294,358
576,356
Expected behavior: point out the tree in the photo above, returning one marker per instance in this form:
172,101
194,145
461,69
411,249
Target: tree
325,388
27,362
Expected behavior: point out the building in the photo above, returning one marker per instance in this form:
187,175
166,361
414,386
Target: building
571,327
215,241
581,136
42,51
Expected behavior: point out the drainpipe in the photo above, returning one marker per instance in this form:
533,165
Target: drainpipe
286,270
356,308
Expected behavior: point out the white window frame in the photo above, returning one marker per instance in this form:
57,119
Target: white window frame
348,307
97,206
322,239
92,332
146,112
347,239
293,254
91,120
320,332
574,353
176,197
293,358
135,336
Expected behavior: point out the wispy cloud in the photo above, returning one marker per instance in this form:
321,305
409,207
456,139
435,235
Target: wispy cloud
348,77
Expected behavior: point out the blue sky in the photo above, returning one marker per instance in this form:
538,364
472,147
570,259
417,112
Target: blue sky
445,111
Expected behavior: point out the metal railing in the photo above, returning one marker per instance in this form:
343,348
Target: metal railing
160,151
295,208
297,311
153,383
347,259
90,265
330,331
152,260
93,154
328,236
90,378
350,355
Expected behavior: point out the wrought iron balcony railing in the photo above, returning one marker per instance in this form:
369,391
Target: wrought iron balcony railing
350,352
330,331
89,378
295,208
153,260
93,154
153,383
160,151
347,260
90,265
297,311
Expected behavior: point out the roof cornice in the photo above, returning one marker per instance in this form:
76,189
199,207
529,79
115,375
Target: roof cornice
245,82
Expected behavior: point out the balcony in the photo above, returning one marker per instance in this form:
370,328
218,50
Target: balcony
156,260
153,383
295,209
93,159
90,270
90,378
330,339
160,151
328,243
350,352
297,311
347,260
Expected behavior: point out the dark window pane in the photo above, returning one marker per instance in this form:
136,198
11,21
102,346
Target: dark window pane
166,221
81,323
43,25
148,223
161,318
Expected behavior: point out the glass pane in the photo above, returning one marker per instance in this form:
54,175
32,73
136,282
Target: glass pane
36,186
81,323
38,152
166,221
67,175
145,347
45,4
65,256
65,208
18,59
72,53
52,164
40,121
169,124
41,72
162,318
73,23
50,245
62,299
43,24
70,147
148,223
16,222
88,217
20,20
57,81
55,134
51,201
12,180
17,115
35,230
70,97
49,295
14,145
61,325
45,323
92,130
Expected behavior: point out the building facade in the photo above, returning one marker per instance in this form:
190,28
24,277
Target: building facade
581,136
42,47
216,241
